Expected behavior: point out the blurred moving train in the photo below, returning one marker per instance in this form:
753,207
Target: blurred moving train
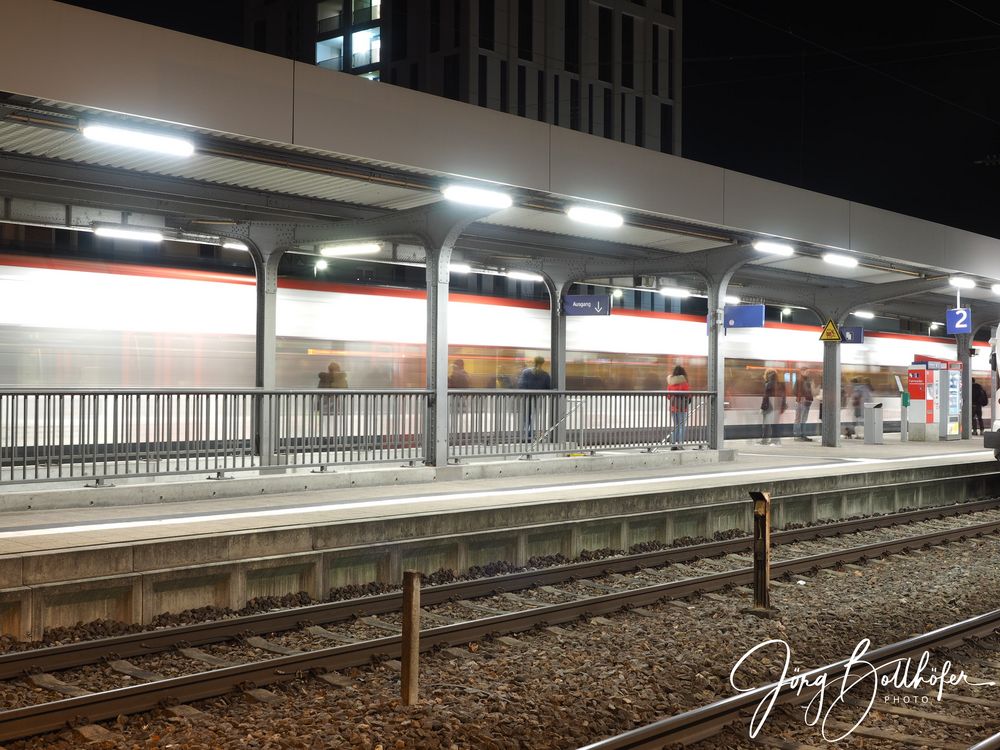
81,323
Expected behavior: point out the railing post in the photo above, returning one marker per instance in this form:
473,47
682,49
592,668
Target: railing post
761,554
410,658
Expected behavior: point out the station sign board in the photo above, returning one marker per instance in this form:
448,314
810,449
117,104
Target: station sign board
743,316
852,335
587,304
958,320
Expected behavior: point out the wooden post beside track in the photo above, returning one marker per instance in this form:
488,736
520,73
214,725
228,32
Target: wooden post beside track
761,553
411,637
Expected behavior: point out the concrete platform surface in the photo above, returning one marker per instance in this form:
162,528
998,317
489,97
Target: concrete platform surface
34,531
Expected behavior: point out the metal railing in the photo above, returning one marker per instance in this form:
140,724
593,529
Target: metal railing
55,434
504,423
329,24
51,434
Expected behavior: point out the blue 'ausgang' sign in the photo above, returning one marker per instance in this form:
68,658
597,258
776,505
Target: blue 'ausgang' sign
958,320
587,304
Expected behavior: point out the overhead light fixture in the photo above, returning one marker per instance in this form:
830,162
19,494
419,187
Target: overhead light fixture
617,294
161,144
126,233
459,268
234,245
962,282
477,196
674,291
867,315
995,288
321,265
337,251
935,326
837,259
524,276
773,248
786,311
731,300
597,217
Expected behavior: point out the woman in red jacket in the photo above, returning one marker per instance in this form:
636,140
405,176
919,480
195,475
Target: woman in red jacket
678,381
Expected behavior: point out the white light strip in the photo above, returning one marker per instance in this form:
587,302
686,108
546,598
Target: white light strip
961,282
674,291
773,248
995,288
121,233
459,268
524,276
234,245
864,314
731,300
597,217
161,144
836,259
477,196
337,251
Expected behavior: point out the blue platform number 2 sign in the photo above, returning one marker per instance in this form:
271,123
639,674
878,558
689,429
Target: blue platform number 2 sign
959,320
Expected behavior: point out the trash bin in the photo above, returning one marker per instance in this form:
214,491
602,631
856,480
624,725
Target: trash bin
873,424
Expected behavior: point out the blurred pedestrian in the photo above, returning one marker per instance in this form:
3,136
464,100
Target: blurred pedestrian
771,406
979,400
458,378
533,379
679,405
803,403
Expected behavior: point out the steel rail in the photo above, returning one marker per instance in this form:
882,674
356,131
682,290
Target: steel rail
52,716
709,720
79,654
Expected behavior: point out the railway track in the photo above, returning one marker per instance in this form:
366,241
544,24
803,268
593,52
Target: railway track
461,612
890,717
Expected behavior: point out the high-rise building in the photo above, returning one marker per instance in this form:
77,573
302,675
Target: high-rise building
609,67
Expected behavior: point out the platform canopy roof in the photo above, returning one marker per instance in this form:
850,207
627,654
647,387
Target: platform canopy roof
280,141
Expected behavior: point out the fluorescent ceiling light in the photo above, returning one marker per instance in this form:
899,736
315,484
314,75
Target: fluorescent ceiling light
123,233
786,311
864,314
731,300
335,251
837,259
961,282
674,291
773,248
161,144
598,217
321,265
459,267
995,288
477,196
234,245
524,276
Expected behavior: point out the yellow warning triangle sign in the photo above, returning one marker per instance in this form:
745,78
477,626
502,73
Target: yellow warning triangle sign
830,332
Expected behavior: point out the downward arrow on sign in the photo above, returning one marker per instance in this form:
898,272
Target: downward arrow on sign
598,308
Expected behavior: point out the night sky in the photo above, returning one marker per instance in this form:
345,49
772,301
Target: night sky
886,102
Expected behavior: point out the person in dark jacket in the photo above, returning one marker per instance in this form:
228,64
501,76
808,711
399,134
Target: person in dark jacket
459,376
533,379
979,400
803,403
772,406
679,405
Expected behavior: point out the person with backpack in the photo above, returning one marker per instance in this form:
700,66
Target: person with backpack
678,381
979,400
803,403
772,406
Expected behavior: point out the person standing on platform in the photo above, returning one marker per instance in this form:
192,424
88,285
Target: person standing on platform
861,393
771,406
459,377
979,400
678,381
533,379
803,403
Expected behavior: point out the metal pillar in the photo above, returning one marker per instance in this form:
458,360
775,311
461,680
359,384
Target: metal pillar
963,343
993,376
437,355
717,363
831,393
557,331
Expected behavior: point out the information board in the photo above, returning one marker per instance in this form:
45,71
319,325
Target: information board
587,304
744,316
852,335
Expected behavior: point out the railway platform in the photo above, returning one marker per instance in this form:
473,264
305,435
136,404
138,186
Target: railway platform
130,561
